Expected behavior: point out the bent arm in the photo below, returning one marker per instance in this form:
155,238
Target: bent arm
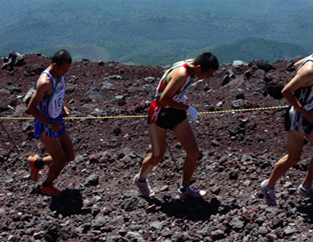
43,88
304,78
176,80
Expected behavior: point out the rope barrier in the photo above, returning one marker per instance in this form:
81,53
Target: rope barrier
145,116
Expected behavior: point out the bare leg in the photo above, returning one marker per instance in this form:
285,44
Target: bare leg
307,182
294,146
157,139
186,137
60,150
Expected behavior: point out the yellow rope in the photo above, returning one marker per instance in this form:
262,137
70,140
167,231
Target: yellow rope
145,116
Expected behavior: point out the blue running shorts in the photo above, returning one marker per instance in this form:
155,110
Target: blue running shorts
40,127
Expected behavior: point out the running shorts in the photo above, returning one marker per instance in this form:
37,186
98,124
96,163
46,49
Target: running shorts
166,118
295,120
40,127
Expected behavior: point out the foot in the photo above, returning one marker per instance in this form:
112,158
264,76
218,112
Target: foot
33,169
50,191
305,192
189,193
144,187
269,194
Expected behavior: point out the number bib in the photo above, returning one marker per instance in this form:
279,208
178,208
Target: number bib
56,103
51,106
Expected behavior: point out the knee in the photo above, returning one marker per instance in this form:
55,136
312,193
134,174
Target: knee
153,159
157,159
194,153
292,161
70,158
59,165
59,162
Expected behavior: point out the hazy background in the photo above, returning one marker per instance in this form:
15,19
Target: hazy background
158,32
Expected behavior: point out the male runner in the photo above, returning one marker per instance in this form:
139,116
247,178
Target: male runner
168,111
46,106
298,124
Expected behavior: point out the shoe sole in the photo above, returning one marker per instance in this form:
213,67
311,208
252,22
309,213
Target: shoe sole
54,195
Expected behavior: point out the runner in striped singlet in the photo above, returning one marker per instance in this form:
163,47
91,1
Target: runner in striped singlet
46,106
168,111
299,125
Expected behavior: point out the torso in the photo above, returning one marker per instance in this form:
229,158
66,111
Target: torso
51,105
180,95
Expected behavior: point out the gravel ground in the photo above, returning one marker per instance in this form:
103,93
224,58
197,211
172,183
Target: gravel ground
240,141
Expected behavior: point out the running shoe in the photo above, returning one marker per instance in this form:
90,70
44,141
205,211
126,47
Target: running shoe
269,194
50,191
33,169
144,187
189,193
305,192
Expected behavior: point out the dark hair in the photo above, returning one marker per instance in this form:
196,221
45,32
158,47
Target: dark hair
62,56
207,61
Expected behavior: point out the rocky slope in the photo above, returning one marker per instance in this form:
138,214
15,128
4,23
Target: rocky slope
240,141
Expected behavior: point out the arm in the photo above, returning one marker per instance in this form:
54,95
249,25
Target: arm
176,79
44,88
65,111
303,78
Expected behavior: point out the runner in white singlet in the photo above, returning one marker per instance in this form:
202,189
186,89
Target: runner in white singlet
299,125
51,107
168,111
46,106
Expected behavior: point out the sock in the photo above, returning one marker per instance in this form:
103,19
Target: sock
140,180
39,163
46,184
183,188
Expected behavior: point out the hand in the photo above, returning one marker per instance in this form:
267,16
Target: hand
308,115
193,113
65,111
56,127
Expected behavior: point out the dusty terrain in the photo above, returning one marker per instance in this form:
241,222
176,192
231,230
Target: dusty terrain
240,141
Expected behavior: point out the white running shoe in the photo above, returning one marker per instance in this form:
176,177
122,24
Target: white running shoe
305,192
189,193
269,194
144,187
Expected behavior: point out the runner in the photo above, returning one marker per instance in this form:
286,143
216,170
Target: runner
168,111
46,106
298,124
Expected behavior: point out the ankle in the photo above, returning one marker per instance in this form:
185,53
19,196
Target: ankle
140,180
183,188
306,187
39,164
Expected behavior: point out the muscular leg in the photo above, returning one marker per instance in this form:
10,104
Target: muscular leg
186,137
157,139
294,147
60,150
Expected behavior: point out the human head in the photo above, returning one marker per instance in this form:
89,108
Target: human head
61,62
60,57
207,61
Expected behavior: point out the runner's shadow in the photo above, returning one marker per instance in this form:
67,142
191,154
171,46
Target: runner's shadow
195,209
68,203
306,208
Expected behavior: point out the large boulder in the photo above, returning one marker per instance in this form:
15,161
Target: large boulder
14,59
